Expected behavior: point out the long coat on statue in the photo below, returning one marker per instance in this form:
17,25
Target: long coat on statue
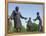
16,16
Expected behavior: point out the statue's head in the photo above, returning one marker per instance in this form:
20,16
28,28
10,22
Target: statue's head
29,18
17,8
37,13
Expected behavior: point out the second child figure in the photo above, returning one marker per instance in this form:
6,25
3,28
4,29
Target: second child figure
29,25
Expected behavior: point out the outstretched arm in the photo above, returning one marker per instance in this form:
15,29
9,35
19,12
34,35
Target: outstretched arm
22,17
35,19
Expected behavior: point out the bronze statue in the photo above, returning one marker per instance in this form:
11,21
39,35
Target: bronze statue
29,25
16,15
40,22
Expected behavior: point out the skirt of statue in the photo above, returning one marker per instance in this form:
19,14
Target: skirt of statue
17,22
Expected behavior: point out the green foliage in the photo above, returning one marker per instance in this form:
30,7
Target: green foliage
12,29
35,27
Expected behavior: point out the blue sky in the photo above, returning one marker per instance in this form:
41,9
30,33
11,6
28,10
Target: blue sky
27,10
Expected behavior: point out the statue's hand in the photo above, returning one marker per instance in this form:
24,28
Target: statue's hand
34,19
25,18
11,18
